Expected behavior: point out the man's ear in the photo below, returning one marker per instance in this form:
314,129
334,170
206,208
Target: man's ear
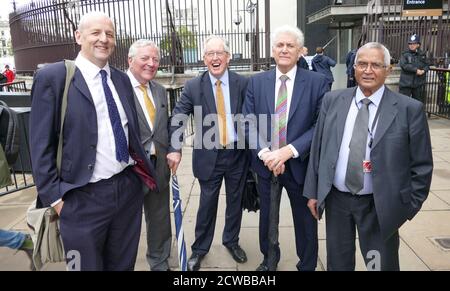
78,37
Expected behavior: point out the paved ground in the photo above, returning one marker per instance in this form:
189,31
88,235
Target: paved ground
418,251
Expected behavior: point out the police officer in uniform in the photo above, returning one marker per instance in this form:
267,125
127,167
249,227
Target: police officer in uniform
414,68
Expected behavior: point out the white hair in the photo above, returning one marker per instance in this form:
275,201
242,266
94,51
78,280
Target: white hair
292,30
142,43
379,46
226,45
92,14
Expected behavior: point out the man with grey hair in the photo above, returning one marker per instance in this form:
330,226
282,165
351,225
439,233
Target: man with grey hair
96,192
289,97
217,93
151,106
370,166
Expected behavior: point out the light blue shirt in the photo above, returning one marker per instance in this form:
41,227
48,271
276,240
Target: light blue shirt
341,166
231,133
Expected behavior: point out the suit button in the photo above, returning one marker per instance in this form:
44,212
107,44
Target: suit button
90,167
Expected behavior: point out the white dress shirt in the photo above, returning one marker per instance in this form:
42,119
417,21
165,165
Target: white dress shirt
341,166
106,164
290,89
140,96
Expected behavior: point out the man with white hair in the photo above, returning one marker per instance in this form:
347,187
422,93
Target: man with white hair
214,98
289,98
96,192
370,166
151,106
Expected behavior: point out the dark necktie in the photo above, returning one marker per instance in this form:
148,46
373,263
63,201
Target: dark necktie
122,154
354,178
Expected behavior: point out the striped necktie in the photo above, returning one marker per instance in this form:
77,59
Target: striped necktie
148,104
281,112
220,100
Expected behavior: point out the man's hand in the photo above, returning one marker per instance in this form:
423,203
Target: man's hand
420,72
58,207
173,160
312,205
274,160
279,170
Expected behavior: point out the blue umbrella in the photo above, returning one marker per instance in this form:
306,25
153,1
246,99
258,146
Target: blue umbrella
179,223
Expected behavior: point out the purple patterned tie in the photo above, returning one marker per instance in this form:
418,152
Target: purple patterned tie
122,154
281,112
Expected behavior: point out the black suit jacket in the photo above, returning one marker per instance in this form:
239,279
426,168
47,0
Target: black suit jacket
198,93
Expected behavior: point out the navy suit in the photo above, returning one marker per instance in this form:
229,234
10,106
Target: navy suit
306,99
82,220
211,166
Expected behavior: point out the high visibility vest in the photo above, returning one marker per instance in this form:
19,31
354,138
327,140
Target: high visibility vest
447,81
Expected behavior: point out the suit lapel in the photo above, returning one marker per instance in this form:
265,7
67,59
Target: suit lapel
297,93
387,114
270,90
207,93
342,112
234,92
79,83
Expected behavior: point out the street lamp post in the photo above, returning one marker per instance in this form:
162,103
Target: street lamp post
250,8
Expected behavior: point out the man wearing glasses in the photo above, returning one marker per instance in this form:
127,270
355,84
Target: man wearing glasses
370,166
214,98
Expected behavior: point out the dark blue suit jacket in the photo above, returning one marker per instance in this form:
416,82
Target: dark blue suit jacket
308,91
198,92
80,130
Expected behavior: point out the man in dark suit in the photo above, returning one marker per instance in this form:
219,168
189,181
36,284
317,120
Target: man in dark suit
370,166
219,150
289,99
151,106
96,193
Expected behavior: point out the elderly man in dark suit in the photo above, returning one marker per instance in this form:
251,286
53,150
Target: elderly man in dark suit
151,106
97,193
370,166
288,100
215,98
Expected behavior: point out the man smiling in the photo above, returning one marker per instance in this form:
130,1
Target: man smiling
219,93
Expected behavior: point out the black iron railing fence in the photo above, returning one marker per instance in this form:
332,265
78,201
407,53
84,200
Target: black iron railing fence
386,24
43,31
437,92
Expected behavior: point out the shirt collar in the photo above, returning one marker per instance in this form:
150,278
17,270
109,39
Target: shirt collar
291,74
89,69
375,97
134,82
223,79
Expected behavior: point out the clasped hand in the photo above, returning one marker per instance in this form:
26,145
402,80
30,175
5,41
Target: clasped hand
275,160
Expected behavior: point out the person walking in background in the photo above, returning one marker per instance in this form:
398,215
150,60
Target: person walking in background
350,63
415,66
9,74
151,107
322,64
370,165
302,62
293,96
97,192
217,93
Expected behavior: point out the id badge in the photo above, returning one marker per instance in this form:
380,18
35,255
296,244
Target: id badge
367,166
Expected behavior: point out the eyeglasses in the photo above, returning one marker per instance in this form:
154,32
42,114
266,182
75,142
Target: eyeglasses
218,54
375,66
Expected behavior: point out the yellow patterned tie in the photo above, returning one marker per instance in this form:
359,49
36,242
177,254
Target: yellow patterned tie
221,114
148,104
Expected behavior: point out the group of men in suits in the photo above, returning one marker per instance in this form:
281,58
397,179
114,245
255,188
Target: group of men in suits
119,147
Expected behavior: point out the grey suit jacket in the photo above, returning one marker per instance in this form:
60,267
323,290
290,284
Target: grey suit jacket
159,136
401,156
